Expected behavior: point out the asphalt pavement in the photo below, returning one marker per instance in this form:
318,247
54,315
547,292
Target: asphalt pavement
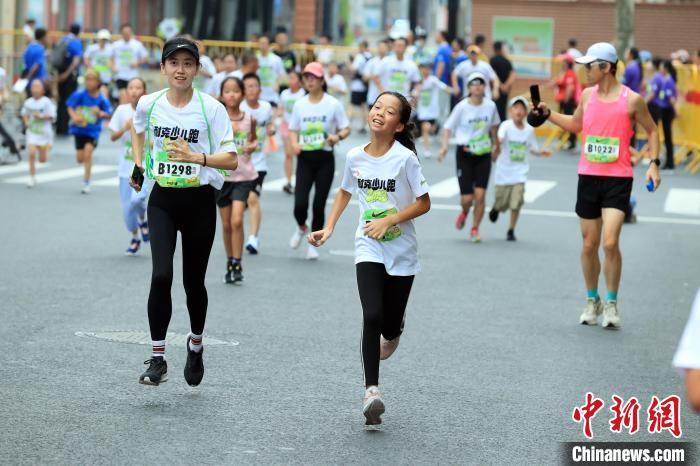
491,365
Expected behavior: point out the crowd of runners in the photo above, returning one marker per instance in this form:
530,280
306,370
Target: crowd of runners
203,142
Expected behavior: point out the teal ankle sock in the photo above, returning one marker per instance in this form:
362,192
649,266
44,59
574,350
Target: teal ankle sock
593,294
612,296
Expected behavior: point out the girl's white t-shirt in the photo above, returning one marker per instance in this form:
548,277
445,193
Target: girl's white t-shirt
119,118
688,353
385,185
270,68
471,123
314,122
190,124
99,60
40,129
512,163
262,115
429,98
288,99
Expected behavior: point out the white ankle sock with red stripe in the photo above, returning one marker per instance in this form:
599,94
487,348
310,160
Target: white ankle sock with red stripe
195,343
158,348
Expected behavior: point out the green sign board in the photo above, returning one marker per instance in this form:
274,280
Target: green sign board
528,38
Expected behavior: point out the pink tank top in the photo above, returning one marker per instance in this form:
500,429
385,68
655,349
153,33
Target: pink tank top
245,171
607,131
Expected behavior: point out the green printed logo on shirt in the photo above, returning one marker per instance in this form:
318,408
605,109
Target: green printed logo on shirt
601,149
313,137
101,64
289,105
426,95
36,126
518,151
379,195
240,139
89,117
480,145
265,74
128,151
125,58
397,81
375,214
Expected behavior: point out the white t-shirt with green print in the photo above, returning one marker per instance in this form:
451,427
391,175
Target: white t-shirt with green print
512,163
315,122
398,75
385,185
471,125
288,99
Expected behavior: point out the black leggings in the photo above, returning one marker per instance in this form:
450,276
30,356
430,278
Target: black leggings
313,167
666,116
384,298
192,211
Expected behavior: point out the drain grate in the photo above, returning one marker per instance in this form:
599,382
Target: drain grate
144,338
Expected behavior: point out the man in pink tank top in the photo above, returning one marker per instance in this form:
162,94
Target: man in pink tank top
606,116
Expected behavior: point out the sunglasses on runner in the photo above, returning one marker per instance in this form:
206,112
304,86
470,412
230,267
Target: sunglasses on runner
589,66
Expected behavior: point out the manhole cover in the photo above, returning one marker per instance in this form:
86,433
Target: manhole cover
144,338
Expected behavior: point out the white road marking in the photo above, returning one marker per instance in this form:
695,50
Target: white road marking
274,185
21,167
534,189
59,175
110,182
444,189
683,202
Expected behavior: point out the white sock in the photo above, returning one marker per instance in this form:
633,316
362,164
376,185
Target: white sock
159,348
195,343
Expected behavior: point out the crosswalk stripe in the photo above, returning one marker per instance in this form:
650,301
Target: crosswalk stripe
274,185
21,167
109,182
683,201
445,188
534,189
59,175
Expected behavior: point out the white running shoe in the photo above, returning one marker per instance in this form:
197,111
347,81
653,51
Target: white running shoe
611,316
296,238
427,154
387,347
32,182
312,253
252,245
590,314
86,189
372,406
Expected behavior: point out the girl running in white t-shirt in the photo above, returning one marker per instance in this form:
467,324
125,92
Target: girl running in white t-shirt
38,113
288,98
233,196
388,180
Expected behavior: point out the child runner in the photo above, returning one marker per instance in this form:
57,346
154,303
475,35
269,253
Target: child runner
87,108
233,197
391,190
133,203
288,98
475,123
38,113
185,136
516,139
264,126
428,107
318,123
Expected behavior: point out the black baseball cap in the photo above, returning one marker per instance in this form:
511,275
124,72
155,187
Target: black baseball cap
179,43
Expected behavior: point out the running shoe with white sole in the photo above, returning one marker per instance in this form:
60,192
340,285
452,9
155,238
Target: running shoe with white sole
194,367
252,244
611,316
237,274
32,182
228,276
157,372
85,190
476,238
133,248
372,406
387,347
594,307
311,253
287,188
296,238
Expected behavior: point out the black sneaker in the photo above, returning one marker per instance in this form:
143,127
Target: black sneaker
237,274
228,277
511,235
493,215
156,373
194,367
287,188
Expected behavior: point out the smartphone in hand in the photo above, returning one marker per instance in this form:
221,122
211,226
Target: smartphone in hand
137,176
535,95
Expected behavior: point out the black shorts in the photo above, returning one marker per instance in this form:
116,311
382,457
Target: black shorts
121,83
472,170
602,192
234,191
358,98
257,184
81,140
